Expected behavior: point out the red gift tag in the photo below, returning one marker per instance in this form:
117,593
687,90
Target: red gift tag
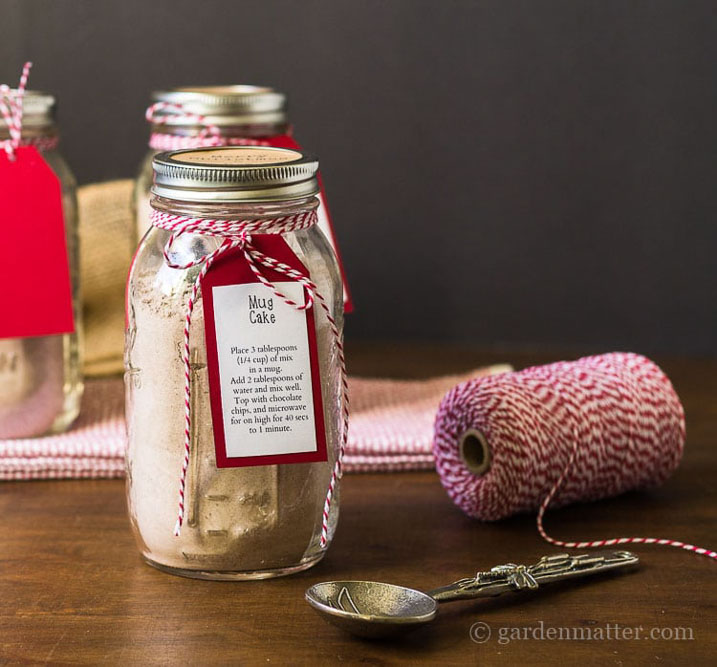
38,294
325,222
264,380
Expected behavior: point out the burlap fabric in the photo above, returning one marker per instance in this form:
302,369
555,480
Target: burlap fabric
106,249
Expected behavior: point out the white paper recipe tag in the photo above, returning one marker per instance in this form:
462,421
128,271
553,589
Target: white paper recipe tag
263,372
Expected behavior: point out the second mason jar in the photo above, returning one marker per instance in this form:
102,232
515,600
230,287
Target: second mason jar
192,117
232,115
234,369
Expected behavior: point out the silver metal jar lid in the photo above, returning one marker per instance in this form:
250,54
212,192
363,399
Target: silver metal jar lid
235,174
38,109
224,105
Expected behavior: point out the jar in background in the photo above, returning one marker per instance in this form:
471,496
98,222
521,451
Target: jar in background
238,115
40,376
205,116
255,363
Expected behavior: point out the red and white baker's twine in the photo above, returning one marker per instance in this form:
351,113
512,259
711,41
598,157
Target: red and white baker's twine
593,428
11,108
210,135
237,234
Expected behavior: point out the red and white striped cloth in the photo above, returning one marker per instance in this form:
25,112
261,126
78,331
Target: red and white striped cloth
93,447
391,429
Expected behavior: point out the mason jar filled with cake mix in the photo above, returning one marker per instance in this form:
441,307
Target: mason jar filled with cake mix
40,373
235,115
235,380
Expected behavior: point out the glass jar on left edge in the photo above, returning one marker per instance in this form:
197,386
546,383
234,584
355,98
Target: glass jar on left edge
40,376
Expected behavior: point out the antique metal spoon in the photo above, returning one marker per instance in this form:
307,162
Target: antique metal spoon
374,609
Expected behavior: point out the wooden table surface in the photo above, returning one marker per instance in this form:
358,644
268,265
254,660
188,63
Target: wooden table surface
73,589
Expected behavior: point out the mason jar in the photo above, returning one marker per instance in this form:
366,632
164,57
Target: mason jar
40,376
235,411
206,116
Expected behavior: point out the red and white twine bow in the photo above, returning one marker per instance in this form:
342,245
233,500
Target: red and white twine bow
209,135
237,234
11,108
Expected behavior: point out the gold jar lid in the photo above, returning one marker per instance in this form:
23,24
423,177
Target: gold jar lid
38,109
223,105
235,174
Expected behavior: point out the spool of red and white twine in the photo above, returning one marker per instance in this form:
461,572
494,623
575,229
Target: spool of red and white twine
237,234
12,109
558,434
209,135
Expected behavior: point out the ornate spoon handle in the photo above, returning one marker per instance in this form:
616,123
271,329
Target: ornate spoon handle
512,577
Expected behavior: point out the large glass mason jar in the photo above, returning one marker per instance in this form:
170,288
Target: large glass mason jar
40,376
192,117
234,368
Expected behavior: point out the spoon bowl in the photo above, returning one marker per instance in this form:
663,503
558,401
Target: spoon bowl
371,608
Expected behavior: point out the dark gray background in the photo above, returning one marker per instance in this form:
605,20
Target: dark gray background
514,172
